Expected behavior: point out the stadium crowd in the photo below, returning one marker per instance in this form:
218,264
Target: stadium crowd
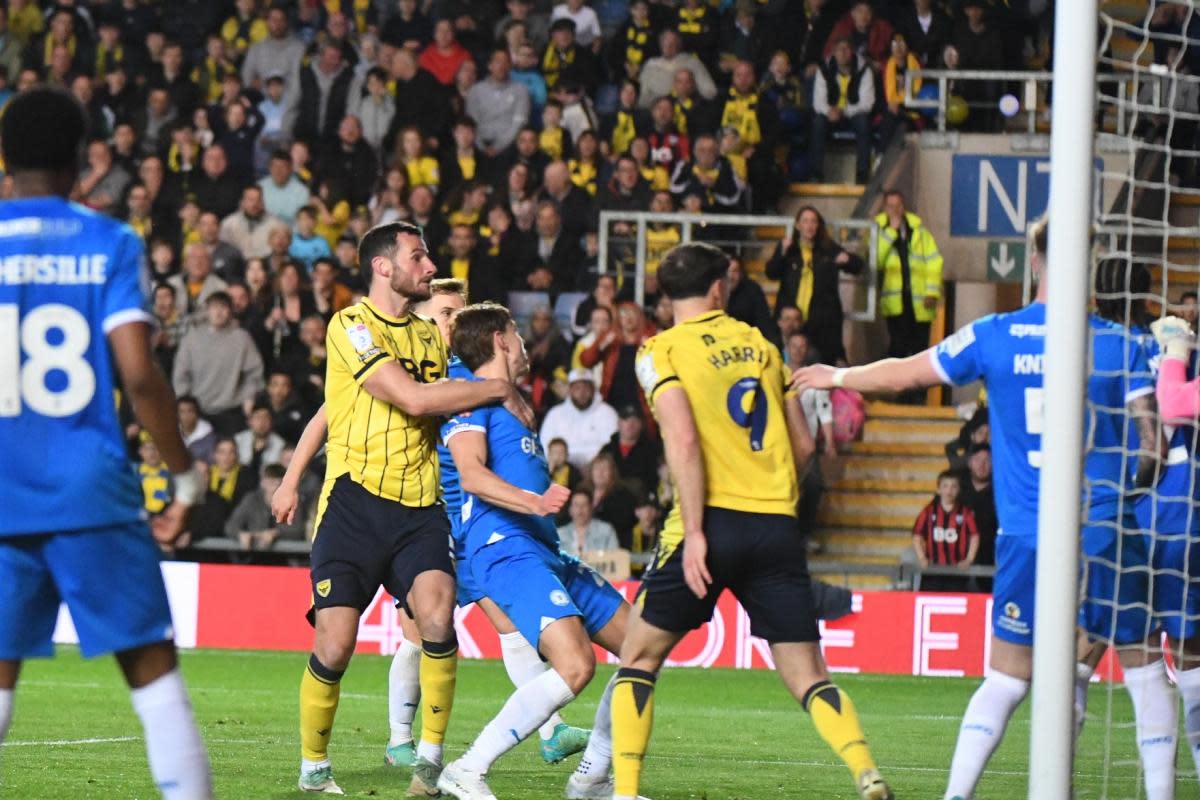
251,145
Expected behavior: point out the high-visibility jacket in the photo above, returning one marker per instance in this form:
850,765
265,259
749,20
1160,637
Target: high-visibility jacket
924,264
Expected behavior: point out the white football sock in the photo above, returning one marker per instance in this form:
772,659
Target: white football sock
1083,678
1189,688
526,709
982,728
404,691
597,758
429,751
523,664
307,766
1156,713
178,760
6,712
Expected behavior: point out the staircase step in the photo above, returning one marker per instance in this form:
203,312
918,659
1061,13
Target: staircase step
883,500
910,430
886,470
869,517
857,581
877,409
905,449
884,485
866,542
827,190
874,559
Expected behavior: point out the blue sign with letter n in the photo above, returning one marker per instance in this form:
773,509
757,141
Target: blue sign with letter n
998,196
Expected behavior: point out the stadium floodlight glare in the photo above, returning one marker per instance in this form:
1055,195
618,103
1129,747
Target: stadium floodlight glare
1072,140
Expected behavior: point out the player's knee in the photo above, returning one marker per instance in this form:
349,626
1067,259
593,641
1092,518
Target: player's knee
334,652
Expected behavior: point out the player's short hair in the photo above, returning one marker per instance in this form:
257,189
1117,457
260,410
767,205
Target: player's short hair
448,286
1121,288
275,471
688,270
381,241
948,474
1038,233
471,339
43,129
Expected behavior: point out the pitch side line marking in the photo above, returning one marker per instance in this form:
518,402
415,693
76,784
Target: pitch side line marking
73,742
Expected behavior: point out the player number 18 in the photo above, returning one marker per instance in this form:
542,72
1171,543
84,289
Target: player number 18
63,354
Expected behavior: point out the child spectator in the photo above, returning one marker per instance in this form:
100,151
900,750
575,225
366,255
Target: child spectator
307,246
252,525
154,476
554,141
945,534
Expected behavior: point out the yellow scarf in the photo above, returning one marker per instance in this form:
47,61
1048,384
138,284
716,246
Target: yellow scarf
550,141
461,217
681,108
460,268
223,486
624,132
635,44
892,76
175,157
692,20
105,59
657,177
741,112
583,175
554,62
466,165
156,483
48,48
805,290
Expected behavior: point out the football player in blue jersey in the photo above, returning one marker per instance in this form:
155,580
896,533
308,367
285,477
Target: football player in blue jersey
1006,352
512,557
558,739
73,302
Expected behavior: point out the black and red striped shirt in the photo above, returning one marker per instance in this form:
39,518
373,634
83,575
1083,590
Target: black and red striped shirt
946,534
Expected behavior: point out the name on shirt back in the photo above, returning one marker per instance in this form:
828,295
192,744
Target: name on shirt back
63,269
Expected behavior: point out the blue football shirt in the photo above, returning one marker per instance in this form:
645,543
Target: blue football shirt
1006,352
516,456
68,276
448,473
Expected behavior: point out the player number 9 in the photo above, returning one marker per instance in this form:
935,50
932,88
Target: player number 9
65,355
754,418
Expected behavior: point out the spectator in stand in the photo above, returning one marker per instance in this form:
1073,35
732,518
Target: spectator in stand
896,77
575,205
583,420
197,283
587,163
525,152
559,259
258,445
463,160
669,146
102,183
214,188
249,228
11,47
425,214
808,265
293,302
61,36
927,29
153,122
238,134
696,23
633,43
743,39
375,110
284,194
407,27
907,256
219,364
944,535
288,413
634,451
245,27
587,24
979,497
280,54
976,430
351,161
746,302
307,246
564,59
228,483
328,91
870,36
196,431
709,175
420,99
980,47
333,210
25,21
584,533
169,326
1189,308
527,73
756,120
329,294
658,75
603,295
444,55
549,358
279,119
170,75
612,501
554,140
537,24
628,122
420,168
499,105
617,350
694,115
562,471
227,262
843,99
306,364
252,525
626,190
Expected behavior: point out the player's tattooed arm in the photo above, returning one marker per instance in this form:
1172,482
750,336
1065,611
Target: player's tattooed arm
681,443
287,497
1152,441
470,452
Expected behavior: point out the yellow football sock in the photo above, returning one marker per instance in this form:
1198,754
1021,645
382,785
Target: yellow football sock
319,691
835,719
439,668
632,719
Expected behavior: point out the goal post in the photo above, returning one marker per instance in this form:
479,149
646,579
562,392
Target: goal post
1072,139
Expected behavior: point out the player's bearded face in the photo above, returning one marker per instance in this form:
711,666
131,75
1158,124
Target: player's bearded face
412,269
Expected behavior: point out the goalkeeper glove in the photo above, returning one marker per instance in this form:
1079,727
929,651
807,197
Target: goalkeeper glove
1173,335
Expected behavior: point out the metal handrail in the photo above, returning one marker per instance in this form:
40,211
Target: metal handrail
689,222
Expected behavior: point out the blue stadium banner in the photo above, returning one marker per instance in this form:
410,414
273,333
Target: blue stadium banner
997,196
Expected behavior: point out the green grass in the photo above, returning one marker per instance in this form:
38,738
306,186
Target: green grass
719,734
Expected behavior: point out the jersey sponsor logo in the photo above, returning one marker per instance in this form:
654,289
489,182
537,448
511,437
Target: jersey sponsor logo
1020,330
324,586
961,339
360,337
647,374
425,372
1028,363
947,535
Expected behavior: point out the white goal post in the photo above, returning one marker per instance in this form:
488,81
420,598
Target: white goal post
1072,142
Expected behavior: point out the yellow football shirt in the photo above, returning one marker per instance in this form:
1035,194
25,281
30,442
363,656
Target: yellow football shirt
735,382
386,451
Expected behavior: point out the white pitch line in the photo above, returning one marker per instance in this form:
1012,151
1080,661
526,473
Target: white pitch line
72,742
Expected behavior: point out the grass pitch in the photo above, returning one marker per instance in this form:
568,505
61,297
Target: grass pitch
719,734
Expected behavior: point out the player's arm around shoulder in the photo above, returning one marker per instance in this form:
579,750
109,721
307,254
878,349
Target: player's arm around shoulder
467,441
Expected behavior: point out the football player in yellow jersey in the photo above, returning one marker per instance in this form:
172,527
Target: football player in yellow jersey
734,444
380,522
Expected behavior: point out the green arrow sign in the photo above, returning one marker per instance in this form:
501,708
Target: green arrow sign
1006,261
